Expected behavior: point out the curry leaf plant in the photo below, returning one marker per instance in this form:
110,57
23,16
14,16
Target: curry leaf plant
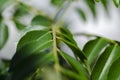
39,54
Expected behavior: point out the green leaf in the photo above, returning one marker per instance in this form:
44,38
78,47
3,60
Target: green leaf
93,48
41,20
67,38
2,4
91,6
70,74
57,2
114,72
105,4
19,25
32,52
101,68
97,0
116,2
82,14
21,10
77,66
3,34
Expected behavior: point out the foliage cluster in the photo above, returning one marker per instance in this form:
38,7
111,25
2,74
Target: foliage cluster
39,55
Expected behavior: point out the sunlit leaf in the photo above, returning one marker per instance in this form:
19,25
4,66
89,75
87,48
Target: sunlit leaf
101,69
3,34
116,2
41,20
68,39
32,48
77,66
114,73
82,14
93,48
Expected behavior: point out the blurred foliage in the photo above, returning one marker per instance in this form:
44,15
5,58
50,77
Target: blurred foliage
39,54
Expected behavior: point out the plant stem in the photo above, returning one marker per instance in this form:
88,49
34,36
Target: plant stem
56,66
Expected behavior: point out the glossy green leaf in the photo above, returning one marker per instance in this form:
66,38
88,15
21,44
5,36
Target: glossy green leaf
32,52
116,2
3,34
101,68
82,14
41,20
114,72
68,39
57,2
77,66
93,48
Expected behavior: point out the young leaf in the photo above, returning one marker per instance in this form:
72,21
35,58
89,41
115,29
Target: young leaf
41,20
82,14
114,72
93,48
31,53
67,38
101,68
116,2
76,66
3,34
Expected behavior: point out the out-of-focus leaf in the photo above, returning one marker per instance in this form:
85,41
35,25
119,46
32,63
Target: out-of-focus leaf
67,38
41,20
2,4
116,2
97,0
32,52
19,25
57,2
114,72
3,77
101,68
4,66
21,9
3,34
82,14
105,4
91,6
77,66
93,48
